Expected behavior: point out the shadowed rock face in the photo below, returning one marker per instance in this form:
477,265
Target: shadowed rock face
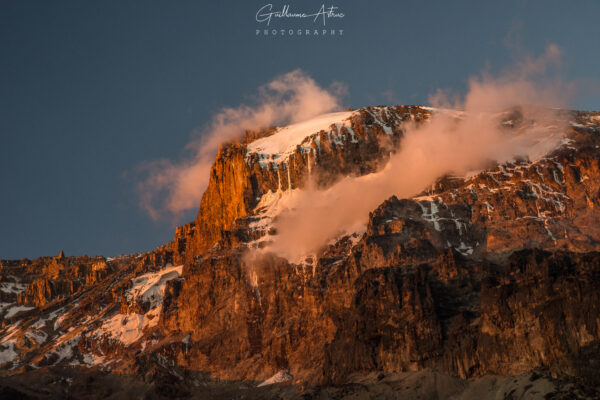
463,318
497,273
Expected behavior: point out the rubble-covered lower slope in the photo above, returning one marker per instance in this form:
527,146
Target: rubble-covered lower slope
60,383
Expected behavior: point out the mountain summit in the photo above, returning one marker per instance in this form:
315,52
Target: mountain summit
480,275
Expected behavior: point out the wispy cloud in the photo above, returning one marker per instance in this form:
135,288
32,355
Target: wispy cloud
172,187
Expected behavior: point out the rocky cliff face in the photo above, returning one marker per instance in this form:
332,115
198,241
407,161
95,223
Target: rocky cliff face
493,273
350,143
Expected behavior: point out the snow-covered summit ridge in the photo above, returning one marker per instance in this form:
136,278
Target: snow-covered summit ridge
285,139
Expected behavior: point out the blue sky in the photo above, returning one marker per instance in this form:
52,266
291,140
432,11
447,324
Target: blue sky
91,89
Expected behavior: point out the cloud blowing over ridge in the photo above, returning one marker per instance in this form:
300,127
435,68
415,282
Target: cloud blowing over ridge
175,187
443,145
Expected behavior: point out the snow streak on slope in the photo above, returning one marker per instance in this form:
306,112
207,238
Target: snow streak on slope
284,141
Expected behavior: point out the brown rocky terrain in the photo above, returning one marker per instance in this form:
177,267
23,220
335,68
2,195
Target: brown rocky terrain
448,293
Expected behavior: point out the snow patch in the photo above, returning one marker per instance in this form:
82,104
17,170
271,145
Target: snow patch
41,323
16,310
64,350
279,377
125,328
150,287
92,359
8,353
270,205
39,336
431,214
12,288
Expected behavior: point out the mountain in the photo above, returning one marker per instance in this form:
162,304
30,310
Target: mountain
454,291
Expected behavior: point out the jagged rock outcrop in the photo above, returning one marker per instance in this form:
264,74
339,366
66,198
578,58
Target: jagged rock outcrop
61,277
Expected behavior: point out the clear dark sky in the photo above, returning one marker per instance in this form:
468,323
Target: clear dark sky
90,89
